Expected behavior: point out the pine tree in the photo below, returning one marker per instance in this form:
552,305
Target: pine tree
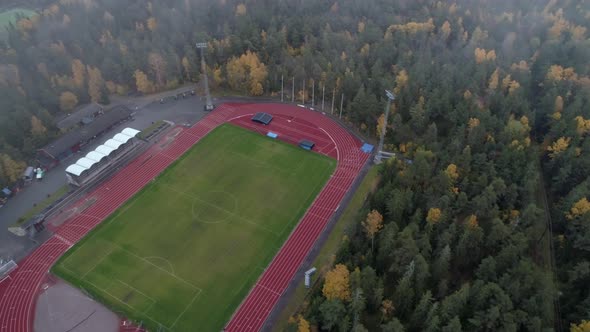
394,325
332,313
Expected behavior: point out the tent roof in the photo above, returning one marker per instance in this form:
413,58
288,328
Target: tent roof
122,138
130,132
75,169
114,144
106,150
95,155
85,162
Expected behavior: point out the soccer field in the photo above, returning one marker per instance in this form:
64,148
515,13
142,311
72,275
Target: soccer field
184,252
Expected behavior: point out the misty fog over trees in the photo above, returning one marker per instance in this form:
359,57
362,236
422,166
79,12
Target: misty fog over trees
492,109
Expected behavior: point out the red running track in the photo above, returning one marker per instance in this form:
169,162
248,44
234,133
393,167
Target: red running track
330,139
18,293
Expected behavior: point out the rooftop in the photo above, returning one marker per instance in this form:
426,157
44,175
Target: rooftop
82,114
85,133
101,152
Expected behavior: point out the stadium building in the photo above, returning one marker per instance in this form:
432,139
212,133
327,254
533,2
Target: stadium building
82,133
99,160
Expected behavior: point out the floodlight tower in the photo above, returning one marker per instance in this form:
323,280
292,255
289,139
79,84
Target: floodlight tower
390,98
209,105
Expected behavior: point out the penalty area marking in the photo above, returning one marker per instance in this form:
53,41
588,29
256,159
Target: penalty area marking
125,303
195,289
140,292
185,309
164,259
95,265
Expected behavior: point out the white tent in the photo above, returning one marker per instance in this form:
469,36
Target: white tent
75,169
114,144
130,132
96,156
85,162
104,150
122,138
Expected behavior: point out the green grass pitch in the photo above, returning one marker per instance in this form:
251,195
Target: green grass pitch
183,253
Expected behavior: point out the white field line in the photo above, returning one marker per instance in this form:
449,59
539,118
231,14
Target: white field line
158,267
185,309
65,267
77,274
164,259
249,274
221,209
124,303
148,308
98,262
268,289
137,290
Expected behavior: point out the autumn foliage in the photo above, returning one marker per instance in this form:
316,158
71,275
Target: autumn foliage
582,125
247,74
560,145
482,56
142,82
581,207
380,124
452,172
11,169
373,224
471,222
67,101
337,284
302,325
434,215
583,326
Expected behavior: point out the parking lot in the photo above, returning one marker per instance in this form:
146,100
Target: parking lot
147,110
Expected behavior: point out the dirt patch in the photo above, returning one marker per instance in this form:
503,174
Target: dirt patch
60,307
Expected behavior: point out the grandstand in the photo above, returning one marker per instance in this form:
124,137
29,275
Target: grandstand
99,160
81,134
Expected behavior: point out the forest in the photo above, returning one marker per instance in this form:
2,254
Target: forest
484,224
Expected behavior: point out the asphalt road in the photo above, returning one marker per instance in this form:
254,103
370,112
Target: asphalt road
147,110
